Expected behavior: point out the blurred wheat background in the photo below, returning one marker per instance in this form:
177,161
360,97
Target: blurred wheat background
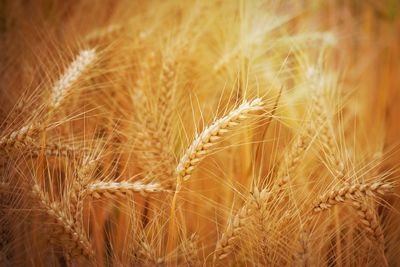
199,133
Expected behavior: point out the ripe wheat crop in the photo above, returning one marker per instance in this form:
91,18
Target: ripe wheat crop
199,133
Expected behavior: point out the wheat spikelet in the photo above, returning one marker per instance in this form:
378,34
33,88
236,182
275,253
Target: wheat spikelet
63,86
203,142
351,192
21,138
115,189
71,235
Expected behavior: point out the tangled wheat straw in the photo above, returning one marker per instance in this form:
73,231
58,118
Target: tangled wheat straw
139,133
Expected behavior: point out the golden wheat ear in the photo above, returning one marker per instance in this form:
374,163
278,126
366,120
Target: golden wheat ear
115,189
254,207
350,193
63,87
210,136
22,138
66,231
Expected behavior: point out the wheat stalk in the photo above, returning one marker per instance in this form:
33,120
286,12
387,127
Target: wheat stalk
204,141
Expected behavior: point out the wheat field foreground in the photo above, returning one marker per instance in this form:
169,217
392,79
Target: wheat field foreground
200,133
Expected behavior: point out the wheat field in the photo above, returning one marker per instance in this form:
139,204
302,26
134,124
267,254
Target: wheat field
199,133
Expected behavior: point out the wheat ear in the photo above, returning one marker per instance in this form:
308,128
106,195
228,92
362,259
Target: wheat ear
57,150
71,235
324,123
167,81
291,160
63,86
76,196
203,142
21,138
229,239
190,251
115,189
105,33
351,193
369,220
